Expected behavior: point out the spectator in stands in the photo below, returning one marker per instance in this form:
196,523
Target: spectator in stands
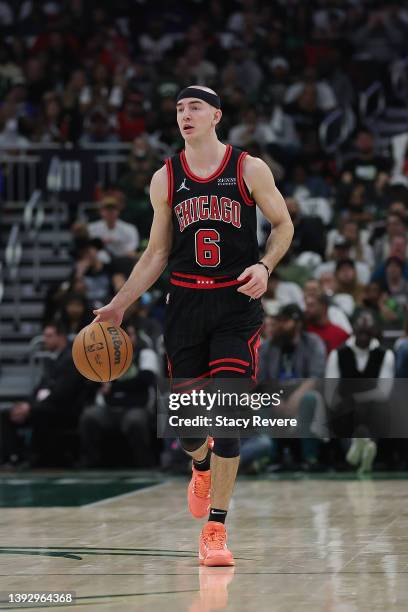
394,283
279,70
50,126
395,227
268,328
341,252
306,183
317,322
245,68
354,201
96,275
131,119
37,79
359,407
359,249
386,309
97,127
134,184
137,209
199,69
10,72
143,157
283,143
325,100
382,36
296,358
71,96
292,352
307,101
154,41
327,281
74,314
139,315
309,230
398,248
347,281
120,238
281,292
313,288
399,208
366,165
126,406
14,120
55,403
251,128
97,93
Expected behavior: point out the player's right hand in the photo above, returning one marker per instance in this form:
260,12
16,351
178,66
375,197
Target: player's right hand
112,314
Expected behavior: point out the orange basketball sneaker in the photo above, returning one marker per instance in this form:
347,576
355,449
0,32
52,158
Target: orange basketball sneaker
198,493
213,549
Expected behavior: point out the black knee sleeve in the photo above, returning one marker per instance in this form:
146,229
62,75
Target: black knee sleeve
191,444
226,447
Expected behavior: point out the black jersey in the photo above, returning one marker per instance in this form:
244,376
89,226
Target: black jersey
214,218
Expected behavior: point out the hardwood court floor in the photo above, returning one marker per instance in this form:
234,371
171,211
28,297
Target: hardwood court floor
300,545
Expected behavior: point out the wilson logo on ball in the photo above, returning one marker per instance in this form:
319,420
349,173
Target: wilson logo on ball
117,343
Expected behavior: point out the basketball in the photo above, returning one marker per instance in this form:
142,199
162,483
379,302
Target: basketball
102,352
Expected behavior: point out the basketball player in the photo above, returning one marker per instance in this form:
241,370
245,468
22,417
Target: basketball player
204,227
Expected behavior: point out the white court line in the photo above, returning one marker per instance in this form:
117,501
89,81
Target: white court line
366,546
108,500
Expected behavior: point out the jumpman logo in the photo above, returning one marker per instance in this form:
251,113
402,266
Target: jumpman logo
183,186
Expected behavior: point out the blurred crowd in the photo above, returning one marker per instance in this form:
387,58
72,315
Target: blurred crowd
94,73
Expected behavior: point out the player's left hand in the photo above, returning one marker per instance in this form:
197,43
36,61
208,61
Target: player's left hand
256,278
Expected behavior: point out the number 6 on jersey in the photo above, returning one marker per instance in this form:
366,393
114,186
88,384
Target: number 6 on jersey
206,248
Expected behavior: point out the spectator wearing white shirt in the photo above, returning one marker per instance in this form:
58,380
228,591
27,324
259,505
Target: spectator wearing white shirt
120,238
325,97
359,379
340,252
280,293
359,249
251,128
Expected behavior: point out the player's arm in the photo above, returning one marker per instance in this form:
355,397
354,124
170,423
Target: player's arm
154,259
261,184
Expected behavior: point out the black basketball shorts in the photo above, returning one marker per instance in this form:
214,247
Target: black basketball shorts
211,330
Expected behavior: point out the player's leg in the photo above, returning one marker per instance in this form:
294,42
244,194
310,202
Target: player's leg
187,353
233,356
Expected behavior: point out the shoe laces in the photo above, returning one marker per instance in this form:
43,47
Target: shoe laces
215,539
200,486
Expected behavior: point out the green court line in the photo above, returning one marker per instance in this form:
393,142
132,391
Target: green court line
76,554
236,573
49,493
104,548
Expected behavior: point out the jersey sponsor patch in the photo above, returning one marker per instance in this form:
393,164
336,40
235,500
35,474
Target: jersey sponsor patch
227,182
